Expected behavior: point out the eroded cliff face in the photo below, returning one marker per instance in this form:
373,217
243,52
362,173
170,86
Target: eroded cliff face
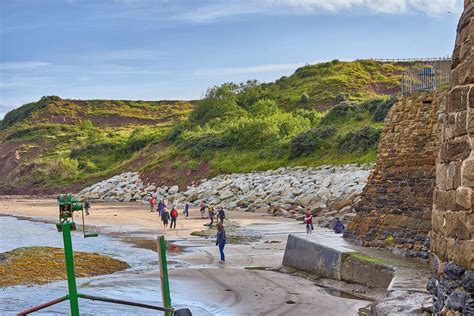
452,243
395,209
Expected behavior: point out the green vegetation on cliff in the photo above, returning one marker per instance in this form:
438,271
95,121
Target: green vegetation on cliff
328,113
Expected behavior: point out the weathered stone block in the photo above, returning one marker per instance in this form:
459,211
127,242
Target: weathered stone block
438,245
461,252
455,226
457,99
468,173
437,220
464,73
448,175
455,149
464,198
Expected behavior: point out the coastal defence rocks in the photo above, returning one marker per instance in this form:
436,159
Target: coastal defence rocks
328,191
395,208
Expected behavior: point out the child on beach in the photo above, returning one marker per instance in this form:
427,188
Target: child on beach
221,241
308,219
165,217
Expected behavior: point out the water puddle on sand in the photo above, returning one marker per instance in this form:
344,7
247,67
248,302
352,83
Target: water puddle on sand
340,294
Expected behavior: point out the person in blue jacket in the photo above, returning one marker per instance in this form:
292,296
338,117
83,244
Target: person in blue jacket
338,226
221,241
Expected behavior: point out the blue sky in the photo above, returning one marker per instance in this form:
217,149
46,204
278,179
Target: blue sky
165,49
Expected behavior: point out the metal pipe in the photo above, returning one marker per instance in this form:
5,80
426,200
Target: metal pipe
165,286
42,306
115,301
71,275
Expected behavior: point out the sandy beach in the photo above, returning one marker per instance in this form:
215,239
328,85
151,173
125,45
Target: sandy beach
244,285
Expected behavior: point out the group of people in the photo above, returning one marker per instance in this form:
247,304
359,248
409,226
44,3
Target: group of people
211,213
336,225
167,217
171,217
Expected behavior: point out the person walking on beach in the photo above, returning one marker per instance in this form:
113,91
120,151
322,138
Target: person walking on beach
165,217
87,206
161,206
174,217
221,215
186,209
202,208
152,203
221,241
308,219
338,226
211,215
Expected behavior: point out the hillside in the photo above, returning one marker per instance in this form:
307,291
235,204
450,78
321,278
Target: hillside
324,113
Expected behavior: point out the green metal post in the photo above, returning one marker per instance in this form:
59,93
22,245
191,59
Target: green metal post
165,286
71,275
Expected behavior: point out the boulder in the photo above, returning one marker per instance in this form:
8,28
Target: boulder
173,190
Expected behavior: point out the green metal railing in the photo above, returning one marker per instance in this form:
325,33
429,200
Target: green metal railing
68,205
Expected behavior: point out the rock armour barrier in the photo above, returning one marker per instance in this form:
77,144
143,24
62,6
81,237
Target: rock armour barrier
328,191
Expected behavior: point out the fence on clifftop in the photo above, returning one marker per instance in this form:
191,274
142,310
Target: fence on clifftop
427,75
422,74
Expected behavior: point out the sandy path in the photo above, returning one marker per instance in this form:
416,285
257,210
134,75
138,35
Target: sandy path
197,279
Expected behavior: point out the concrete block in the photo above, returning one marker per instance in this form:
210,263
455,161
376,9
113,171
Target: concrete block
310,256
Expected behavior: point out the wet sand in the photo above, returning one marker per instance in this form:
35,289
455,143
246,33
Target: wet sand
244,285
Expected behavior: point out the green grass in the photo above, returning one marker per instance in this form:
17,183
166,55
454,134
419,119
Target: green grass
364,258
247,138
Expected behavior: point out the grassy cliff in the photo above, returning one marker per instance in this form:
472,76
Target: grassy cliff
328,113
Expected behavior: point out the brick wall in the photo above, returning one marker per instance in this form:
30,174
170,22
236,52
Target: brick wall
395,209
452,244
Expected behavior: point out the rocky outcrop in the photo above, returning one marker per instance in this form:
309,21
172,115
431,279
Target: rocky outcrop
328,191
395,207
452,237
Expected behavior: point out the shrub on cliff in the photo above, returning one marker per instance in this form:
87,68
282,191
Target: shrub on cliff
344,111
360,140
197,145
382,109
309,141
218,102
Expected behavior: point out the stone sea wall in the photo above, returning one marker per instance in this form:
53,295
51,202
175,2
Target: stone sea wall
395,207
452,238
328,191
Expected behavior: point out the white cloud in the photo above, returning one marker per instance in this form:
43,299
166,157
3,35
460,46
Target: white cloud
432,7
125,55
221,9
13,65
247,69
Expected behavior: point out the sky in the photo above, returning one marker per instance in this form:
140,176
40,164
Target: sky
165,49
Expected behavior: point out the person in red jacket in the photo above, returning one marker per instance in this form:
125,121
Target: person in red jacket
308,219
174,217
152,203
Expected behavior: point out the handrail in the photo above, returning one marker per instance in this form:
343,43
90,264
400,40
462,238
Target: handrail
42,306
